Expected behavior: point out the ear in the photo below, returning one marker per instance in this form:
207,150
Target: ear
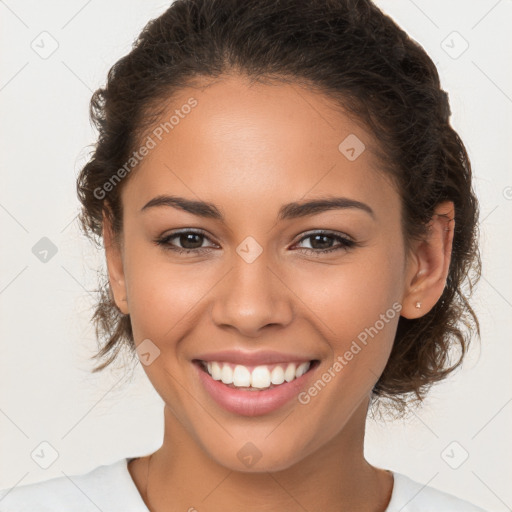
113,255
429,263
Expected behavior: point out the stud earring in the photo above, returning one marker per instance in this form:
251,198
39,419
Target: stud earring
418,305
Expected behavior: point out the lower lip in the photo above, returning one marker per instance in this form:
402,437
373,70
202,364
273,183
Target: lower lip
252,403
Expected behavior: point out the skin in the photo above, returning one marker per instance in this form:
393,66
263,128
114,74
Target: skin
250,149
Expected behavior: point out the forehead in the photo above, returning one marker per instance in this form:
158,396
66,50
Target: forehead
245,143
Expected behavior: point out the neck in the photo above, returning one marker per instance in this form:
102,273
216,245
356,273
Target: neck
332,478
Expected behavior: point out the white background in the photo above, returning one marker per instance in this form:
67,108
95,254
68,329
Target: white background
47,391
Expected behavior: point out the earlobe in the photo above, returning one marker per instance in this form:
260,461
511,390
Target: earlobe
429,266
113,256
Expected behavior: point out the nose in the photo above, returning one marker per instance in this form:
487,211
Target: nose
252,296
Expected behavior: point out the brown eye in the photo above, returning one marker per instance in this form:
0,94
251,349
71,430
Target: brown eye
189,242
321,242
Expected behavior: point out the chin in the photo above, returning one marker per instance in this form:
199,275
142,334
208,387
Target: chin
250,459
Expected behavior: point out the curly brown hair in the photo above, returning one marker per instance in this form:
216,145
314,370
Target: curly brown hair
348,50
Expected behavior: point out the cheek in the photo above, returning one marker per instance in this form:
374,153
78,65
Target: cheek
357,315
356,307
353,294
160,294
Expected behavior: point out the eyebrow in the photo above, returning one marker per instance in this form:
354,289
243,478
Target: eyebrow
286,212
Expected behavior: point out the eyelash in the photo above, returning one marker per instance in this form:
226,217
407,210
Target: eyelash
346,243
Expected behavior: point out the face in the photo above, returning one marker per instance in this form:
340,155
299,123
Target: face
260,286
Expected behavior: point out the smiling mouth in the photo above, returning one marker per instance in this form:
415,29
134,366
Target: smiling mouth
255,378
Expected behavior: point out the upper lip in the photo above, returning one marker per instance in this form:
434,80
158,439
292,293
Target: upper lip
260,357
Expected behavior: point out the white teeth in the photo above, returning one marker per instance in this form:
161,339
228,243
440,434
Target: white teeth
216,370
260,377
302,369
241,376
277,376
289,373
227,374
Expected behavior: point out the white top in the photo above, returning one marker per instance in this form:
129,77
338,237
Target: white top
110,488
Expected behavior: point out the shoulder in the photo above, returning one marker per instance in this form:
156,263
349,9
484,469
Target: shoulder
411,496
107,487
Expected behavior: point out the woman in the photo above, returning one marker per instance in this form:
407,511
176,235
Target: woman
288,221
